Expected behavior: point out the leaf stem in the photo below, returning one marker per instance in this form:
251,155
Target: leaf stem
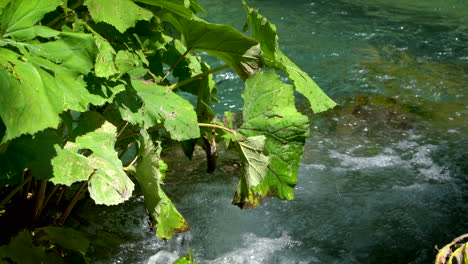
175,65
14,191
73,201
219,127
40,197
199,76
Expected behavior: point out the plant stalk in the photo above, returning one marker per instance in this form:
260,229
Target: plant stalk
197,77
175,65
18,188
39,200
219,127
72,204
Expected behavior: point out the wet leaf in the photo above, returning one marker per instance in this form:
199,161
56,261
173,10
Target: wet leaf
122,14
265,33
187,259
269,111
150,173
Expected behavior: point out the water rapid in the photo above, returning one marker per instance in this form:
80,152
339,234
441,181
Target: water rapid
384,176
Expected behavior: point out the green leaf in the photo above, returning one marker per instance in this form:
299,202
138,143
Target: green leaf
22,250
178,7
108,183
22,14
240,52
34,153
269,111
64,237
187,259
122,14
265,33
105,66
46,79
161,104
150,173
254,169
32,32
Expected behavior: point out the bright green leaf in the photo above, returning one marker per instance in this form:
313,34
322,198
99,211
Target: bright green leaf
161,104
105,66
242,53
176,6
150,174
32,32
22,14
93,157
70,166
269,110
47,80
122,14
265,33
187,259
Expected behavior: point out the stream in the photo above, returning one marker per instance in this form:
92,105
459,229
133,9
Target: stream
383,178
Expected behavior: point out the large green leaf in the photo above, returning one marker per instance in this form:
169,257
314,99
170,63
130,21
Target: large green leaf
45,79
122,14
269,111
265,33
92,157
161,104
240,52
150,173
23,14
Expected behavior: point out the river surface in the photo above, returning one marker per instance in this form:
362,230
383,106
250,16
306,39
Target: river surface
384,176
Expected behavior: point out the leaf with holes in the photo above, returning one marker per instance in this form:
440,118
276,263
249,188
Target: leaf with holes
162,105
269,111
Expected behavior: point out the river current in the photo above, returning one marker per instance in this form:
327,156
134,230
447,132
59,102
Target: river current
384,176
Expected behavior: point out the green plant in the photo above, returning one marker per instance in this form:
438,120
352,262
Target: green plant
84,82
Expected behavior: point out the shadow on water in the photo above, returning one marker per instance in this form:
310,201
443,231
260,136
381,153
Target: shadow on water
384,176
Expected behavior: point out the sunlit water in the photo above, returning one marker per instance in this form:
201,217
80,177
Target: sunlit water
384,176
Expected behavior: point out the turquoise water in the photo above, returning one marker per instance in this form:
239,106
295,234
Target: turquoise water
384,176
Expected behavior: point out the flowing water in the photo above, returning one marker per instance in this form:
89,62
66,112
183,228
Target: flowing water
384,176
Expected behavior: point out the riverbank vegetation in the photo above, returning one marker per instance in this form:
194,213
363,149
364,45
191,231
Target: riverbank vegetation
91,88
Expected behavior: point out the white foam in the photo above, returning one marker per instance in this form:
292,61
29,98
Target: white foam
255,250
358,163
163,257
408,154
